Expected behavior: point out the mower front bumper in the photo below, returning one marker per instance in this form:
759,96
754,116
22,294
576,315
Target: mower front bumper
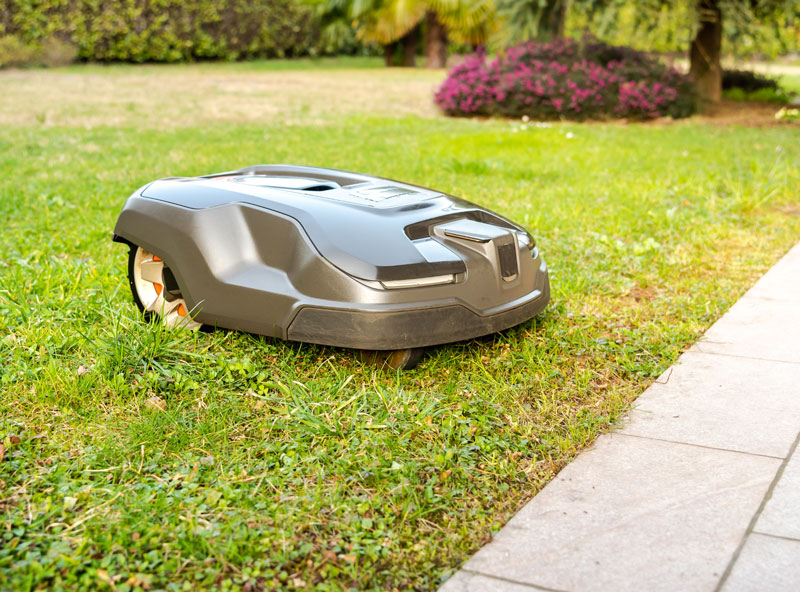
421,327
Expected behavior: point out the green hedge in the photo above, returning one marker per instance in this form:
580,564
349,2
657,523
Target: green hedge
166,30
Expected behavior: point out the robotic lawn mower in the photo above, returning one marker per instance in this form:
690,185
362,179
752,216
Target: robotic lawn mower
329,257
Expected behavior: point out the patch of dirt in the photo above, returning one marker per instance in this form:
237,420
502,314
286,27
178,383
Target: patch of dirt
790,210
727,112
743,113
153,97
640,294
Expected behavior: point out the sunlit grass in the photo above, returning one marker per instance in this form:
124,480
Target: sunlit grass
791,82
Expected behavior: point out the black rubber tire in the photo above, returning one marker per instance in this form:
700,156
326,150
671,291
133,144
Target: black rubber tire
132,284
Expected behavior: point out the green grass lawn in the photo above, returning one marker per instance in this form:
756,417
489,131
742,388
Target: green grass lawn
279,465
791,82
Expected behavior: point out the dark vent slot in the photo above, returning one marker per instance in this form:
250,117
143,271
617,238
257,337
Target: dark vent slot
507,254
285,182
318,188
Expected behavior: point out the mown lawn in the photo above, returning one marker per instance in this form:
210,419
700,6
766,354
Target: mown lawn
278,465
791,82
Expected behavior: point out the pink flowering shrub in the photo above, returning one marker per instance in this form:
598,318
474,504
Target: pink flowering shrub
566,79
471,87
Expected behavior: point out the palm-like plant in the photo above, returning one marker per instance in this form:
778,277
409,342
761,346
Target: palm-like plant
390,21
530,19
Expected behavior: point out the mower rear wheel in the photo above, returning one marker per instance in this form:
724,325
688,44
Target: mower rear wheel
155,290
397,359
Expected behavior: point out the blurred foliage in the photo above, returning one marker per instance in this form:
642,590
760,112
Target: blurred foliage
51,52
747,80
759,28
15,52
786,114
57,52
386,21
745,85
164,30
57,31
763,95
522,20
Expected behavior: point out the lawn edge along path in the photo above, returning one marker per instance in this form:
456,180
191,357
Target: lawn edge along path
696,489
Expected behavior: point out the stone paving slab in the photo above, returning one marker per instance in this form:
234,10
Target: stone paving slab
723,402
766,564
632,514
756,328
781,515
782,282
765,323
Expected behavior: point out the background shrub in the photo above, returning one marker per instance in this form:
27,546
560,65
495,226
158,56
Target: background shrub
745,85
567,79
14,52
57,52
163,30
747,80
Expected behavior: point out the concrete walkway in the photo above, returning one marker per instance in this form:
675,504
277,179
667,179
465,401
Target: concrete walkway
698,490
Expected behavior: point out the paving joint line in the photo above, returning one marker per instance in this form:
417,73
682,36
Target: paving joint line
697,351
767,299
781,458
776,536
751,527
510,581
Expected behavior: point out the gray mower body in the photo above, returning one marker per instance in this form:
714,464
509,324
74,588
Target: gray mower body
337,258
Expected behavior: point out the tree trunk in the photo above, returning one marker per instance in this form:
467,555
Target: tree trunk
558,18
410,43
388,54
704,55
435,42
